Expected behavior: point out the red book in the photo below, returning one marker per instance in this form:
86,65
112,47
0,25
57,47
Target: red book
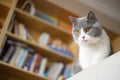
35,63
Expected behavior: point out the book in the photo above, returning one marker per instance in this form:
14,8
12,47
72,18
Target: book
9,53
35,63
51,70
28,62
57,71
46,17
42,66
21,58
67,71
5,48
15,56
22,30
44,39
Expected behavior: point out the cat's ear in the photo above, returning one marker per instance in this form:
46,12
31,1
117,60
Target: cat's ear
73,20
91,17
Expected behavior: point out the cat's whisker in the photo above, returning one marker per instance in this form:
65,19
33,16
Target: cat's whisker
69,44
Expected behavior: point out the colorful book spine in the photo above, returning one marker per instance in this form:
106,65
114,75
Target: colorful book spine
28,63
22,57
35,63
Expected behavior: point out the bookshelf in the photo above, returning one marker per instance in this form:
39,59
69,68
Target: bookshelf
57,56
35,26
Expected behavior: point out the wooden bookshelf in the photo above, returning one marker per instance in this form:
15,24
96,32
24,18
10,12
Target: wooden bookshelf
4,12
18,73
35,26
41,26
58,57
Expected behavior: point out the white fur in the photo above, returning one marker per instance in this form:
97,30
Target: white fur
94,50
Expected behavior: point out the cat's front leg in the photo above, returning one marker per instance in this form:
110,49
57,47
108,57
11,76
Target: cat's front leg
76,68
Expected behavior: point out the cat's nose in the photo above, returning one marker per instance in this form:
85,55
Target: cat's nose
83,37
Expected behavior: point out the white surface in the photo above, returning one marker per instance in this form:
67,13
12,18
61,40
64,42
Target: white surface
109,69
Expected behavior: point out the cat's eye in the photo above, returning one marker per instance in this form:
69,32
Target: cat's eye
77,32
88,29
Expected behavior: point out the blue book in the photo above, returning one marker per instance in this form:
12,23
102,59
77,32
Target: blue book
28,62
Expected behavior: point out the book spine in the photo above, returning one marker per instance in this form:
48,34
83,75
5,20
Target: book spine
8,53
22,31
66,71
28,63
18,56
58,71
42,66
51,70
35,64
22,58
15,56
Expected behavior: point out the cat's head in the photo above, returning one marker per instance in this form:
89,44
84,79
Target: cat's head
86,30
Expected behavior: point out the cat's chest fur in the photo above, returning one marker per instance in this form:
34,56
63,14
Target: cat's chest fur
89,56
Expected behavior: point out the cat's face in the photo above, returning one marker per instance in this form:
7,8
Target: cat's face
86,30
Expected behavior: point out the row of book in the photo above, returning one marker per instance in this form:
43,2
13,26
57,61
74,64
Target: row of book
19,29
22,56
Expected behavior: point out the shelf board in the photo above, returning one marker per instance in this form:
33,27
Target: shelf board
19,73
4,4
52,55
40,25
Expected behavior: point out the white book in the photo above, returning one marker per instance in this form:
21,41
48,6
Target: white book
42,66
51,70
22,31
15,55
57,71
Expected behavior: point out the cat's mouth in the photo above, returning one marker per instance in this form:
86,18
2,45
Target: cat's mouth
84,40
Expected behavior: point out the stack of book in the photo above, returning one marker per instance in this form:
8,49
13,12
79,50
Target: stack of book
20,55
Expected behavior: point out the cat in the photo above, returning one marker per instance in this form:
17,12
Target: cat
93,41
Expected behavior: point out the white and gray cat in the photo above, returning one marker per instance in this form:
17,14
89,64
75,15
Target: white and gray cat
94,43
